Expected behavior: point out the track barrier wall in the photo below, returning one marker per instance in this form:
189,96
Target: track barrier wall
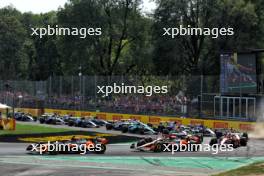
155,120
33,112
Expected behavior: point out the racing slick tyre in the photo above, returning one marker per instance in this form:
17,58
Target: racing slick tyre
109,126
166,131
70,123
124,129
245,135
213,141
158,148
41,121
132,146
235,144
103,149
243,142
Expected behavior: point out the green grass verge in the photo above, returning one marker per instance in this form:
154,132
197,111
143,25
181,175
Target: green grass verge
32,129
252,169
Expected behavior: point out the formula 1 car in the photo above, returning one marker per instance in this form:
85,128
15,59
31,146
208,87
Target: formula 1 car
172,127
99,122
51,119
137,127
234,138
20,116
159,144
183,132
131,126
117,125
207,132
73,146
82,122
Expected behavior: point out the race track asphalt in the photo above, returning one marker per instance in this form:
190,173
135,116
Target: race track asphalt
255,148
120,160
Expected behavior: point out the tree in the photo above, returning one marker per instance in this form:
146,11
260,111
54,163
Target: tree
184,51
108,54
199,54
12,36
42,54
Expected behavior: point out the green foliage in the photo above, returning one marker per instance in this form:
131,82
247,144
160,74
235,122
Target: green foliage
199,54
110,53
12,35
131,43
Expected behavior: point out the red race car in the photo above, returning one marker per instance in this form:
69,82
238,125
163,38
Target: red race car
167,143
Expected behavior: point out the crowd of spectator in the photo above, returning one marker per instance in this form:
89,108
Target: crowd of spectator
148,105
137,104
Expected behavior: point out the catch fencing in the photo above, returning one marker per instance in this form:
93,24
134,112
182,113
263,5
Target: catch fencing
188,96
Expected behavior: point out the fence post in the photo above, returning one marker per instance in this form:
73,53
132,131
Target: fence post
83,88
95,93
201,98
60,86
72,85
